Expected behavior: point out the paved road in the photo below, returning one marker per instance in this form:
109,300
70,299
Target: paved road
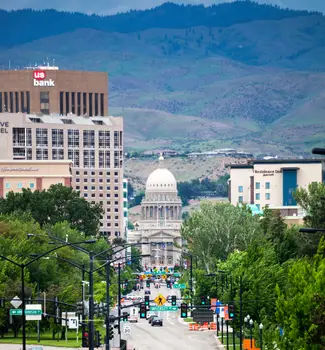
174,335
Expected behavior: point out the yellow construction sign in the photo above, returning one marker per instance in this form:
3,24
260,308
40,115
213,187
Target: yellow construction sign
160,300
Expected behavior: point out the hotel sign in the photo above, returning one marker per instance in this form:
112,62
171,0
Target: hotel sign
39,79
6,169
4,127
268,172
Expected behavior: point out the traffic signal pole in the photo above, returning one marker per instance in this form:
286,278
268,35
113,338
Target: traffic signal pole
91,303
240,313
119,300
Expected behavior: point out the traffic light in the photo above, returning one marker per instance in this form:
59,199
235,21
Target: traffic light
231,310
168,284
125,316
203,300
111,332
146,300
173,300
183,310
85,342
143,310
148,284
98,339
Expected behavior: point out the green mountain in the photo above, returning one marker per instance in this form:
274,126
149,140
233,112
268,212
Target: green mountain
190,77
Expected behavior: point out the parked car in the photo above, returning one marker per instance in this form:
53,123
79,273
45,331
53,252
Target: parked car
156,322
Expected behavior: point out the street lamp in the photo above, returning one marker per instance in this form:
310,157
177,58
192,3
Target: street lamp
320,151
311,230
23,266
261,335
251,322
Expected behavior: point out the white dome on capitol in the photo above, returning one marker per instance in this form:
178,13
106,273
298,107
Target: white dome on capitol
161,180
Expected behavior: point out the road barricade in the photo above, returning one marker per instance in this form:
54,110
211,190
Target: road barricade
191,326
205,326
213,326
196,327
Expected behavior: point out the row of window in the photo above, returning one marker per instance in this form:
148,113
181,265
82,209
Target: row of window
100,173
8,185
22,137
257,197
257,186
100,188
109,233
82,103
15,102
104,157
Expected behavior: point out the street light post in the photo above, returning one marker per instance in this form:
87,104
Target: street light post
119,299
251,322
107,323
261,335
91,301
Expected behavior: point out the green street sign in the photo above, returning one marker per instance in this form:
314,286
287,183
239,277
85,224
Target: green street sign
19,312
163,308
179,286
177,274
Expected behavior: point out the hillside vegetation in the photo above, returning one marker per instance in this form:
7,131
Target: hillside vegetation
242,75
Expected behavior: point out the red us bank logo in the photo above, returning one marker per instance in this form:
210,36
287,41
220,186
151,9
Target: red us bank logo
39,75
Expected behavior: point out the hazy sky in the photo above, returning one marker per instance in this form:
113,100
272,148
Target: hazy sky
113,6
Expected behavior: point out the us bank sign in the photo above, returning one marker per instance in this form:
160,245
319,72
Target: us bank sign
39,77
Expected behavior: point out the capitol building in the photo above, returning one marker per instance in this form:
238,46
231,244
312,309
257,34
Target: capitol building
161,219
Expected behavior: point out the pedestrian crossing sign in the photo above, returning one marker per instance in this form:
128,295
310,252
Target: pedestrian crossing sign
160,300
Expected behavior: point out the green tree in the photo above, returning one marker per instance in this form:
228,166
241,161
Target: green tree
301,304
217,229
58,203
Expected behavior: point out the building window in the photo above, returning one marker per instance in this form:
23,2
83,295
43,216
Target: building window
57,137
61,102
257,185
90,104
96,103
104,139
45,102
57,154
22,137
84,100
73,138
19,185
267,185
116,159
104,159
101,104
67,103
31,185
240,199
41,137
73,155
258,206
116,139
42,154
78,103
73,103
240,189
89,159
89,138
257,196
267,196
7,185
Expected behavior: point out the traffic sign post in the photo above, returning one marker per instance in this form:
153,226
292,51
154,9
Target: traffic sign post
160,300
179,285
19,312
163,308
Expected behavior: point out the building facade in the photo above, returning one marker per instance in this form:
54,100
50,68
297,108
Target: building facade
93,145
271,183
161,219
33,174
48,90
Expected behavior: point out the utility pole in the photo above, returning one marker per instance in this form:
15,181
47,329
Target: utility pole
241,313
119,300
107,306
191,280
83,300
91,302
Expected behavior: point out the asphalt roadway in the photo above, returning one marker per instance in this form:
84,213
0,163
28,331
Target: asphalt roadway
173,335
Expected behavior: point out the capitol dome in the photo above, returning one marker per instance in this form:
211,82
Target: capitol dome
161,180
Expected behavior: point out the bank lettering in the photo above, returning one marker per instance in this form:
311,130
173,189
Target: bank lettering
39,74
4,127
39,79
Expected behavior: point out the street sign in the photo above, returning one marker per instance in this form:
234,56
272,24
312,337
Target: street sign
35,312
160,300
73,323
127,329
163,308
65,317
19,312
202,315
177,274
16,302
179,285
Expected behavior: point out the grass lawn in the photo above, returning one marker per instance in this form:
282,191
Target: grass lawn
46,339
231,347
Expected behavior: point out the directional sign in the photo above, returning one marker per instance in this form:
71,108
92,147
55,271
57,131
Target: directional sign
35,312
160,300
163,308
127,329
179,285
19,312
16,302
177,274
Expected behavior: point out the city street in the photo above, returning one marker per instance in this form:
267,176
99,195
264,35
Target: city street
174,333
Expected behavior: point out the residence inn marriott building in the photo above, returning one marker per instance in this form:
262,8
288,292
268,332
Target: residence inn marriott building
52,115
271,183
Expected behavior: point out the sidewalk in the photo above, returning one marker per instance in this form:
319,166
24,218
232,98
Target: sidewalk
28,347
220,346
